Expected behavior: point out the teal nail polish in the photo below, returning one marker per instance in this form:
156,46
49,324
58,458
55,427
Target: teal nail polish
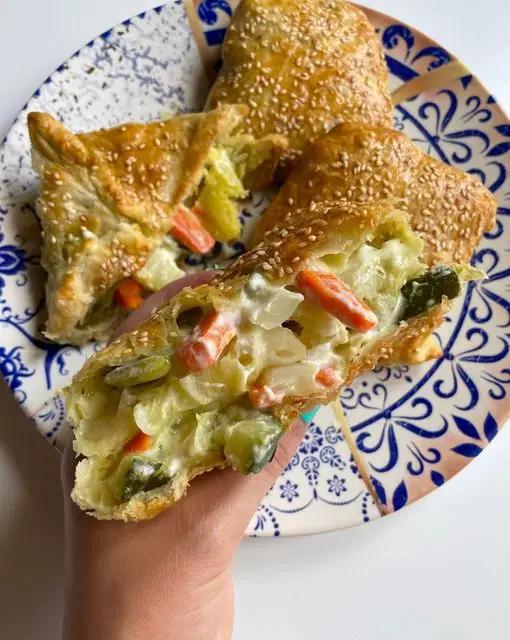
308,417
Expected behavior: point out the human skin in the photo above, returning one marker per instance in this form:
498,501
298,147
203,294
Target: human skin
169,578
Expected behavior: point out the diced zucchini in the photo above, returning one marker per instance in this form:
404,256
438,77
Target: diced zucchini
426,291
142,475
130,375
251,444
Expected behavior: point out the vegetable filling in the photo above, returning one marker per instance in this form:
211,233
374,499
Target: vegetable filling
210,397
213,215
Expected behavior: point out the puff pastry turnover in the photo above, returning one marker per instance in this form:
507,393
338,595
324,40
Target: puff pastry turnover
108,200
302,67
216,375
449,209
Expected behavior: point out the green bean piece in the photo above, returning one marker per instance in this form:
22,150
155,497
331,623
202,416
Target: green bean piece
142,475
423,293
146,370
251,444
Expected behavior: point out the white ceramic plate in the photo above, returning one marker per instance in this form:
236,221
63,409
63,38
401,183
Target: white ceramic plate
415,427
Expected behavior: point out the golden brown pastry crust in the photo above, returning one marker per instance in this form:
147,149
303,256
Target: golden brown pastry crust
449,209
402,345
107,199
284,251
146,506
302,67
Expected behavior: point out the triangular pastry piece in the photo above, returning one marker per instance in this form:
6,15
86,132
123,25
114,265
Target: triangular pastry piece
109,199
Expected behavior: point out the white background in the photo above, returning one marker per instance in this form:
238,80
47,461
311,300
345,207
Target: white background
439,569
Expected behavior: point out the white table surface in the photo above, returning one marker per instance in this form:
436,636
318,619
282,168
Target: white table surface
439,569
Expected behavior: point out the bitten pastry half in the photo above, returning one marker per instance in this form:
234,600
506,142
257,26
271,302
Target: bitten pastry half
302,67
121,207
449,209
216,375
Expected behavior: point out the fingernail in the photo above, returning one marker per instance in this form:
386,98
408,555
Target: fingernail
308,417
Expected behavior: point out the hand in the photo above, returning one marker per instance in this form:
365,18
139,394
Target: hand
167,578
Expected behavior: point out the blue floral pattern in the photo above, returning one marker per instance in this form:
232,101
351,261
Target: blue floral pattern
325,461
404,57
410,423
289,490
14,370
337,485
13,261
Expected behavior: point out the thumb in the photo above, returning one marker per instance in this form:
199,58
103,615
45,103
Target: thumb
225,501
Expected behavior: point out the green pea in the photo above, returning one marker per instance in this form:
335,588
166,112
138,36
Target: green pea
141,372
142,475
428,290
251,444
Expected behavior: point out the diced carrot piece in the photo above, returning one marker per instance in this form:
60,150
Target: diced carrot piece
262,397
202,349
129,294
141,442
328,378
188,230
333,295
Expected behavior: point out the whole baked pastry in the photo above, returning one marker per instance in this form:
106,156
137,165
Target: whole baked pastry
302,67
